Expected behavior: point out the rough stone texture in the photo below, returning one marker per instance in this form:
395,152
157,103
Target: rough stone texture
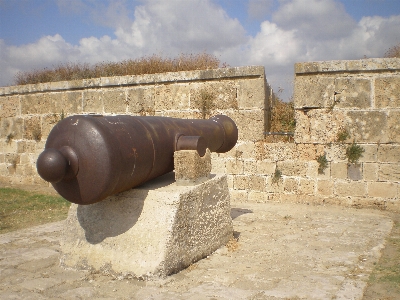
281,251
151,231
190,167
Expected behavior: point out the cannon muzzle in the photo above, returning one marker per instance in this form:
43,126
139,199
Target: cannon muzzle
90,157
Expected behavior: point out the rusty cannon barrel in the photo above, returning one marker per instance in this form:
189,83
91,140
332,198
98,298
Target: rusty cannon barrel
90,157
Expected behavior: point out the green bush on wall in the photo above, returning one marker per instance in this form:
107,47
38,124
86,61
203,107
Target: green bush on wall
354,152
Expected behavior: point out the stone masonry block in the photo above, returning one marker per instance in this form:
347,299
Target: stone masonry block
149,232
32,128
250,123
11,128
9,106
235,166
325,126
353,93
346,188
293,168
387,92
389,172
313,91
252,93
354,171
72,103
370,153
382,189
325,187
190,167
339,170
175,97
250,167
241,182
275,151
368,126
92,101
307,186
290,185
394,126
336,152
389,153
302,132
218,166
246,148
239,195
212,96
266,167
370,171
48,122
41,103
114,101
141,100
256,183
309,151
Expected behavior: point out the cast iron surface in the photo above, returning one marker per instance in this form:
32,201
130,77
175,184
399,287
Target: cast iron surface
90,157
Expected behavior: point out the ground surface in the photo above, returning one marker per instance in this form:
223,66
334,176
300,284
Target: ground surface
283,251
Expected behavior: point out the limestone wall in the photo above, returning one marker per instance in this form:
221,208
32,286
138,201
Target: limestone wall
29,112
361,97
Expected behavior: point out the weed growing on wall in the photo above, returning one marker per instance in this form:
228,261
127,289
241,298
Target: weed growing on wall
206,103
145,65
323,163
342,135
277,176
354,152
9,138
282,120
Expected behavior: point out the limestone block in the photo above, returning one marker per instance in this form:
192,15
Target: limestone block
368,126
370,153
190,167
211,96
258,197
114,101
382,189
313,91
41,103
72,103
309,151
149,232
251,123
389,153
239,196
394,126
354,171
241,182
339,170
350,188
174,97
325,187
9,106
48,122
290,185
141,100
324,126
12,127
353,93
218,166
246,148
266,167
293,167
252,93
92,101
32,128
235,166
26,146
370,171
307,186
336,152
275,151
256,183
250,167
389,172
302,132
387,92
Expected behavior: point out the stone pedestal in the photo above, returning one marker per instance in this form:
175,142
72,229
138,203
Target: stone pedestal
152,231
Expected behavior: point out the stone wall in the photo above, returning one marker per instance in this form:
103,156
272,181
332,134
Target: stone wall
29,112
359,97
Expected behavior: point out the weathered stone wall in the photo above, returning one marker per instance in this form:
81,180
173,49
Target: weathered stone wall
361,97
29,112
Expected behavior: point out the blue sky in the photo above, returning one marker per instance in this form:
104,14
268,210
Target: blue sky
275,33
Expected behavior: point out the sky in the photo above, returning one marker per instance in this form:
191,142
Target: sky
37,34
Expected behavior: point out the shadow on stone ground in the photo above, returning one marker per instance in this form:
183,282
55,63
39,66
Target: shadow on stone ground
283,251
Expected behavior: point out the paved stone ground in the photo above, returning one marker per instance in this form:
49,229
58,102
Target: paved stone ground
284,251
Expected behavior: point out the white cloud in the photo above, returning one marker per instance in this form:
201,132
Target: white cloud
300,30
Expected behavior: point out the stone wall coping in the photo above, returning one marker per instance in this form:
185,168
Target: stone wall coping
338,66
132,80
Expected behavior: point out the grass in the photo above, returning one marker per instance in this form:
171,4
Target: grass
282,120
145,65
21,209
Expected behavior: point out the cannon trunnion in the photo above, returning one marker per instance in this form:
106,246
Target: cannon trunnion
90,157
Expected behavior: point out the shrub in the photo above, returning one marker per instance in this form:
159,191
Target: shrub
393,52
146,65
354,152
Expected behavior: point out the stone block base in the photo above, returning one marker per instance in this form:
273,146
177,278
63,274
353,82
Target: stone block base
152,231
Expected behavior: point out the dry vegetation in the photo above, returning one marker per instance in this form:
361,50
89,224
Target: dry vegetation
393,52
282,120
146,65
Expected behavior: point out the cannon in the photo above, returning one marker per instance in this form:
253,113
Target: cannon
90,157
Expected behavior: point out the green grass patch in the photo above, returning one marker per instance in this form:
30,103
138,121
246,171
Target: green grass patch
21,209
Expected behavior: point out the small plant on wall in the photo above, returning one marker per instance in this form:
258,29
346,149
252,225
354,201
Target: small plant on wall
206,103
277,176
323,163
9,138
354,152
342,135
